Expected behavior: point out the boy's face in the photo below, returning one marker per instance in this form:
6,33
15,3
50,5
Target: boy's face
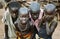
14,14
35,15
50,12
50,16
24,18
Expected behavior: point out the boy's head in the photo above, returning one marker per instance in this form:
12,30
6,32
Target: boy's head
13,8
23,15
50,11
34,10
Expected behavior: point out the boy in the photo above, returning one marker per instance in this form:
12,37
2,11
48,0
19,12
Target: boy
10,16
25,30
49,22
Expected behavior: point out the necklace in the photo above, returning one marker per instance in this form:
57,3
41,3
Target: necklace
23,28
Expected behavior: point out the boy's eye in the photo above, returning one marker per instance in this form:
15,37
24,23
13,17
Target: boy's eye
35,14
23,16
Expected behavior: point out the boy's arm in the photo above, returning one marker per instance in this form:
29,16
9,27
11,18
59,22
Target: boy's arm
53,26
47,28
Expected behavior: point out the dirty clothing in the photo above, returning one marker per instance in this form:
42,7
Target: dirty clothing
7,20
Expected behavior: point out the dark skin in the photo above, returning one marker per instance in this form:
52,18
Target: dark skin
53,24
22,24
47,18
14,19
26,16
50,28
23,18
35,15
14,14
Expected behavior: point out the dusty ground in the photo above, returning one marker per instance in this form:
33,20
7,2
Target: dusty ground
56,34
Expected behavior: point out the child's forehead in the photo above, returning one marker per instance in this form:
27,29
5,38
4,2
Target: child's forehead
35,13
49,15
23,15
